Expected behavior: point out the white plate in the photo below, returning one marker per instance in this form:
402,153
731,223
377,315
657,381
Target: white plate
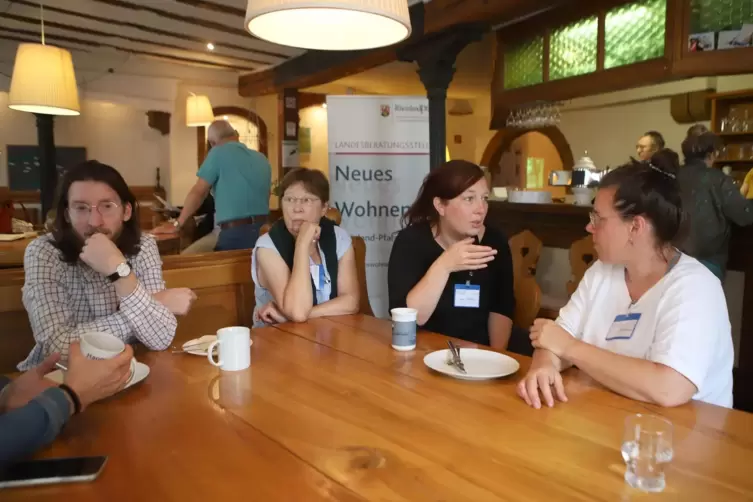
139,374
479,364
202,345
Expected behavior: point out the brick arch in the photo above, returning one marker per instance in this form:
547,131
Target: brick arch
502,141
239,112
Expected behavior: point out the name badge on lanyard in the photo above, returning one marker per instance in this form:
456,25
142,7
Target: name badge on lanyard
623,327
467,295
316,276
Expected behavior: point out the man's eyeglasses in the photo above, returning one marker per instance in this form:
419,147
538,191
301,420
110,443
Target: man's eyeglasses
81,210
306,201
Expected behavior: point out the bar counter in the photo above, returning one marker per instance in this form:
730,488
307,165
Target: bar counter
558,225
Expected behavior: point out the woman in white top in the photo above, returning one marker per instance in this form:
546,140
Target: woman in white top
304,266
646,321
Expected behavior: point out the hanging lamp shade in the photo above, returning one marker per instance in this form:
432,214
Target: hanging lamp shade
43,81
329,24
198,111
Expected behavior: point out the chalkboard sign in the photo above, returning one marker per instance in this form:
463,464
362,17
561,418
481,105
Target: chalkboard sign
24,169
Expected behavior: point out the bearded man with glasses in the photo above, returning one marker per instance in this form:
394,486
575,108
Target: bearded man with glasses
96,271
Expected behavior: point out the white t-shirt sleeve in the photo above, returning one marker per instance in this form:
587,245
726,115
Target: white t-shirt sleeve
688,324
343,240
572,316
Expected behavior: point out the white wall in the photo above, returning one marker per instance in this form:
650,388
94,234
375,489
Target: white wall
112,133
315,118
608,125
113,124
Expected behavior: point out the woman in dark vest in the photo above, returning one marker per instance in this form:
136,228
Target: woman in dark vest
304,266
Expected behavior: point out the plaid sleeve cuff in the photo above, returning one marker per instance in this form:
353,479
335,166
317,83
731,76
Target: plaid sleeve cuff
138,300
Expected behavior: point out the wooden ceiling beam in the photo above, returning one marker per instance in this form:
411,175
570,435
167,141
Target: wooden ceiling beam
102,34
320,67
148,29
178,17
215,7
33,37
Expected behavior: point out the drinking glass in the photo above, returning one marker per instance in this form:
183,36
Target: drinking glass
647,450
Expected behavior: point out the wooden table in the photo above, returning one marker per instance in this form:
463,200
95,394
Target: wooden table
328,411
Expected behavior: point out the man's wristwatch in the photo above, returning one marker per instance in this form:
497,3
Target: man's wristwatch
123,270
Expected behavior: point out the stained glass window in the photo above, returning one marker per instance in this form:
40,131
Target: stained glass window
524,64
719,15
573,49
634,32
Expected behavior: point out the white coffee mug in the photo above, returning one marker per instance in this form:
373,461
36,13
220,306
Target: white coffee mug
235,349
101,346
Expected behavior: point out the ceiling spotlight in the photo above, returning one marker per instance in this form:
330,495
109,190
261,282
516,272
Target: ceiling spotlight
324,105
224,117
210,46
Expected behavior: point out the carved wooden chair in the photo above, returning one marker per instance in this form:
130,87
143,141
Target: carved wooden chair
582,256
526,250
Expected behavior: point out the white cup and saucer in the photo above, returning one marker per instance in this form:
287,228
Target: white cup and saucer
101,346
234,349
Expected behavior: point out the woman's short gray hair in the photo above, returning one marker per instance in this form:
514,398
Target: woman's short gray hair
219,130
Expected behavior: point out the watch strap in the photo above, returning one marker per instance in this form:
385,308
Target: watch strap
74,397
115,275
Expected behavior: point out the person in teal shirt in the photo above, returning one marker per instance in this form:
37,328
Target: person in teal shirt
240,179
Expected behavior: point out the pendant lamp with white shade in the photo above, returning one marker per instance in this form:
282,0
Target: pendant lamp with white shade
198,111
43,81
329,24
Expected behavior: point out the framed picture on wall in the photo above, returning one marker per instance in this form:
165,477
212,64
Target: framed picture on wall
24,169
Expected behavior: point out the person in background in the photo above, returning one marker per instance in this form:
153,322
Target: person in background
649,144
448,265
97,271
33,409
305,266
206,232
646,321
695,130
712,201
241,179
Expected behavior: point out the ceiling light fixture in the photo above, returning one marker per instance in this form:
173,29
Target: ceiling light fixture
329,24
198,111
43,80
210,46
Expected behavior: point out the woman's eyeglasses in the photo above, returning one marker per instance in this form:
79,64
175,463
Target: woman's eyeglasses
305,201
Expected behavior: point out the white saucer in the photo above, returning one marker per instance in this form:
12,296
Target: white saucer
139,374
479,364
203,344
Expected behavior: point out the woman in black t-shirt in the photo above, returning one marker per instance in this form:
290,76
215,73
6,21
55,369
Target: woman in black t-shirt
448,265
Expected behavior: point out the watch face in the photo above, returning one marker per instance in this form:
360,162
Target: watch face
123,270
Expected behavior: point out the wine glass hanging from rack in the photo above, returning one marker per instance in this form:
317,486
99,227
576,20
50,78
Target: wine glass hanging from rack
535,115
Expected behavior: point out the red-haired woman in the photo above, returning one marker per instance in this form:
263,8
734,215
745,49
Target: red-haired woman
448,265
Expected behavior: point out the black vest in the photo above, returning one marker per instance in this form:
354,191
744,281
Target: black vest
285,244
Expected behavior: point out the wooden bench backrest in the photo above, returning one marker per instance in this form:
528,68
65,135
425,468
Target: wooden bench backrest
222,282
16,340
